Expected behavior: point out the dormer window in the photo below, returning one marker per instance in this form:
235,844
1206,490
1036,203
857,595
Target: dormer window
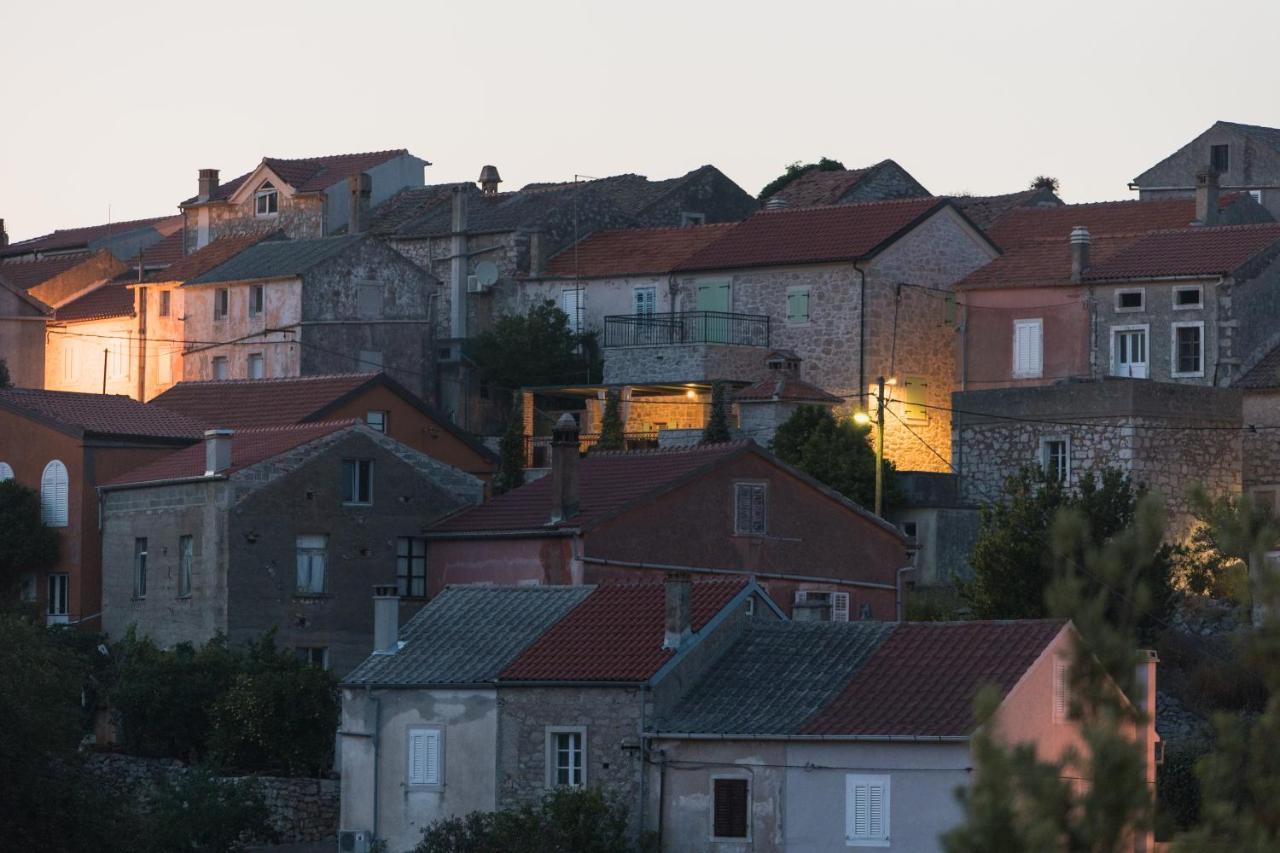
267,200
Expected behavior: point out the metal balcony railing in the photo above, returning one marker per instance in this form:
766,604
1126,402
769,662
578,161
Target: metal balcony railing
686,327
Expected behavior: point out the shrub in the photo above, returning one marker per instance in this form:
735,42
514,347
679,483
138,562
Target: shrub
584,820
836,452
1178,788
203,814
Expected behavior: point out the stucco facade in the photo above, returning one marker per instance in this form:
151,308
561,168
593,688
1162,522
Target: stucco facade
22,320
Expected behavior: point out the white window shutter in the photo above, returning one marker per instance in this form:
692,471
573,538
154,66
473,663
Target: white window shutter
53,494
867,809
839,607
1060,672
424,756
1035,359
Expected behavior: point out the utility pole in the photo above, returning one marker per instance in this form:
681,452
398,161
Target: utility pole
880,446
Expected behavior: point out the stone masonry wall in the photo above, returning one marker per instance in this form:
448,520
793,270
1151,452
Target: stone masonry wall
1261,447
683,363
301,809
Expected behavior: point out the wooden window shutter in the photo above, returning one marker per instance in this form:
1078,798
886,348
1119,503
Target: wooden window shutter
731,808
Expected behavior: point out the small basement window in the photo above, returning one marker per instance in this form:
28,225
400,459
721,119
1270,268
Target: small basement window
1130,300
1188,297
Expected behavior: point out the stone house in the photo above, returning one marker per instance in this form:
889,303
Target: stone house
721,509
879,182
22,321
286,528
825,736
304,198
283,308
1245,157
64,444
1260,438
494,695
374,398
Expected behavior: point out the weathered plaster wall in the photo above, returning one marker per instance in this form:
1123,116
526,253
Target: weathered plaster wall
244,334
1159,315
76,360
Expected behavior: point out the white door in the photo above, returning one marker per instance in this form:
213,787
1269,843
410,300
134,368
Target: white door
1129,353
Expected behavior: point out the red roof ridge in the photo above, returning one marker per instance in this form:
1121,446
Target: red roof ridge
320,157
335,424
654,228
1215,229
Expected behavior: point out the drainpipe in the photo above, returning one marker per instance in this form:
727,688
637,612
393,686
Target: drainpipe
377,737
662,792
644,770
142,339
862,333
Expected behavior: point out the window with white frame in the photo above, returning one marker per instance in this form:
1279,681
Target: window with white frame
311,553
317,656
140,568
1188,349
645,300
1188,298
411,567
1055,458
221,303
566,756
866,810
376,419
571,302
6,472
186,559
257,367
750,509
1061,689
1131,300
425,759
221,368
797,305
266,201
1028,348
688,218
59,590
730,808
53,494
812,605
257,300
1129,351
357,481
1256,195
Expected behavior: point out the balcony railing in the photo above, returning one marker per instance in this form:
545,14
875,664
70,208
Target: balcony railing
686,327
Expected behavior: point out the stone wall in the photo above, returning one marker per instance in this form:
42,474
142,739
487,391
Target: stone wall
683,363
1261,447
301,809
300,217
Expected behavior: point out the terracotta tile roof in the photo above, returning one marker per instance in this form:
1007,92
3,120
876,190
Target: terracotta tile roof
640,251
1040,263
168,251
28,274
616,633
101,414
310,174
113,299
1187,252
608,482
787,389
984,210
76,238
242,403
1264,374
207,257
248,447
921,681
813,235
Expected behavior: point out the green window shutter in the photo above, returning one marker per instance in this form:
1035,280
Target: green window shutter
798,306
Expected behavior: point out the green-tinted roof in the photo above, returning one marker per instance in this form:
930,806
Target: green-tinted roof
277,259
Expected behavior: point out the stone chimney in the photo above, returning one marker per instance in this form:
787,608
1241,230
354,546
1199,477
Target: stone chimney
564,468
1080,241
217,451
4,235
359,189
537,259
386,620
489,180
679,610
1207,197
776,203
208,184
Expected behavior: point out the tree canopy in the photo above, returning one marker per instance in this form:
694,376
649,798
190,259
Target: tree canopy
511,451
834,451
795,170
26,544
717,426
532,349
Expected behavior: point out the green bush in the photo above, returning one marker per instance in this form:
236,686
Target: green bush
835,451
203,814
583,820
1178,789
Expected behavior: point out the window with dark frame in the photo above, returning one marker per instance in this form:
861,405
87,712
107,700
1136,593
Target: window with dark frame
730,808
221,302
164,303
317,656
411,567
751,509
257,300
357,481
1219,158
376,420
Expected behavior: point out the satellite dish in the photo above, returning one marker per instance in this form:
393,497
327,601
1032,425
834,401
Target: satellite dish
486,273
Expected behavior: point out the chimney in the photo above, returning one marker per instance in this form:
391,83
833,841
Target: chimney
359,188
537,262
4,235
679,610
489,180
208,184
776,203
564,468
1080,241
1207,197
217,451
386,620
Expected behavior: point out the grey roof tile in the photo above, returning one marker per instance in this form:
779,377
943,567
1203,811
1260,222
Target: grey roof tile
468,634
277,259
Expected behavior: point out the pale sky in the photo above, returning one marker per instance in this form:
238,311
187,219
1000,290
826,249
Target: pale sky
115,106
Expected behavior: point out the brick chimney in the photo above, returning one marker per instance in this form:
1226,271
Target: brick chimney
4,235
208,184
386,620
359,190
489,180
1207,197
679,611
564,468
1080,241
217,451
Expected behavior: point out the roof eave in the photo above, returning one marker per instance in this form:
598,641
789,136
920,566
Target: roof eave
528,533
852,738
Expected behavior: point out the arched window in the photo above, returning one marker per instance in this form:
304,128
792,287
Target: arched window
6,473
266,199
53,494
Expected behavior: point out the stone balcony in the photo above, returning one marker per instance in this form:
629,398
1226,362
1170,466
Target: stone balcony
683,347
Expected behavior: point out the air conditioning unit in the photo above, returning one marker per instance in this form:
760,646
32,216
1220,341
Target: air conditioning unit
473,284
355,841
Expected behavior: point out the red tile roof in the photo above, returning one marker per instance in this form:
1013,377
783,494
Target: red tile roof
28,274
113,299
311,174
168,251
73,238
785,388
813,235
616,633
248,447
206,258
1263,375
241,403
638,251
608,482
1040,263
100,414
922,680
1188,252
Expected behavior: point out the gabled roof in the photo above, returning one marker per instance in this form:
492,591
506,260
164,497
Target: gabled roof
813,235
616,634
277,259
984,210
1199,251
467,635
858,679
99,414
248,447
1263,375
209,257
784,388
27,274
80,238
819,187
1268,136
637,251
308,174
113,299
